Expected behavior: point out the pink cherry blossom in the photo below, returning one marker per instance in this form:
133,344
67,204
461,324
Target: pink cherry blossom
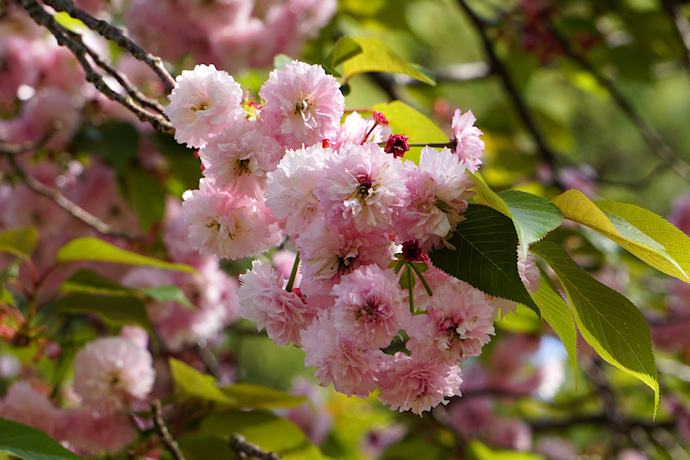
438,190
409,383
91,432
469,147
458,324
25,405
328,254
369,306
264,300
303,104
290,188
240,157
352,369
356,130
361,187
112,372
528,270
231,226
204,101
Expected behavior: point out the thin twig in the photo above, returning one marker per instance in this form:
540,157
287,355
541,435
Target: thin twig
601,419
649,134
682,26
244,449
162,430
61,200
63,36
114,34
121,78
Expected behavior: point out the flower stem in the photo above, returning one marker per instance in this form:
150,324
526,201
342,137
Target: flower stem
293,274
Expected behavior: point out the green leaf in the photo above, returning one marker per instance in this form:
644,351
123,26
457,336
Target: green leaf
91,282
192,384
200,446
19,241
344,49
403,119
281,60
90,248
31,444
478,451
259,396
578,208
675,242
376,56
145,195
117,309
534,217
557,314
267,430
607,320
487,196
485,255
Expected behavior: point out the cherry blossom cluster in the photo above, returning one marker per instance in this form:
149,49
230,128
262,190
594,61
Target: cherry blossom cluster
347,200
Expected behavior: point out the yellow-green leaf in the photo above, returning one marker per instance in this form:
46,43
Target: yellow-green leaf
192,384
259,396
607,220
90,248
608,321
374,55
19,241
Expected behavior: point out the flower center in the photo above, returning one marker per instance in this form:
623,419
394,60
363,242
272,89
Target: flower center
242,167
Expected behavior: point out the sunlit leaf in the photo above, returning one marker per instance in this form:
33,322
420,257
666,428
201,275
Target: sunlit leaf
675,242
90,248
607,320
557,314
487,196
192,384
19,241
478,451
485,255
376,56
270,432
403,119
345,48
31,444
534,217
258,396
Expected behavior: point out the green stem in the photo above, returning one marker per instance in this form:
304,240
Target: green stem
421,278
410,279
293,274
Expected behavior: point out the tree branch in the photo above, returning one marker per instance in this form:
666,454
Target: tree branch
65,38
497,68
10,151
651,137
162,430
682,26
244,448
114,34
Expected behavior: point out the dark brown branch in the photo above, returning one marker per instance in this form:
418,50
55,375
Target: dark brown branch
162,430
551,424
114,34
682,26
651,137
501,71
244,449
61,200
64,38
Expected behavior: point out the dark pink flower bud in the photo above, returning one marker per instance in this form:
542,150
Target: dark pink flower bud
380,118
397,145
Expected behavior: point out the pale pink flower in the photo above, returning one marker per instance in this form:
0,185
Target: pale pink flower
362,187
369,306
409,383
112,372
91,432
290,188
437,194
204,101
228,225
509,433
136,335
240,157
283,261
176,235
313,417
303,104
458,324
25,405
328,254
264,300
352,369
356,130
18,55
469,146
528,270
680,213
